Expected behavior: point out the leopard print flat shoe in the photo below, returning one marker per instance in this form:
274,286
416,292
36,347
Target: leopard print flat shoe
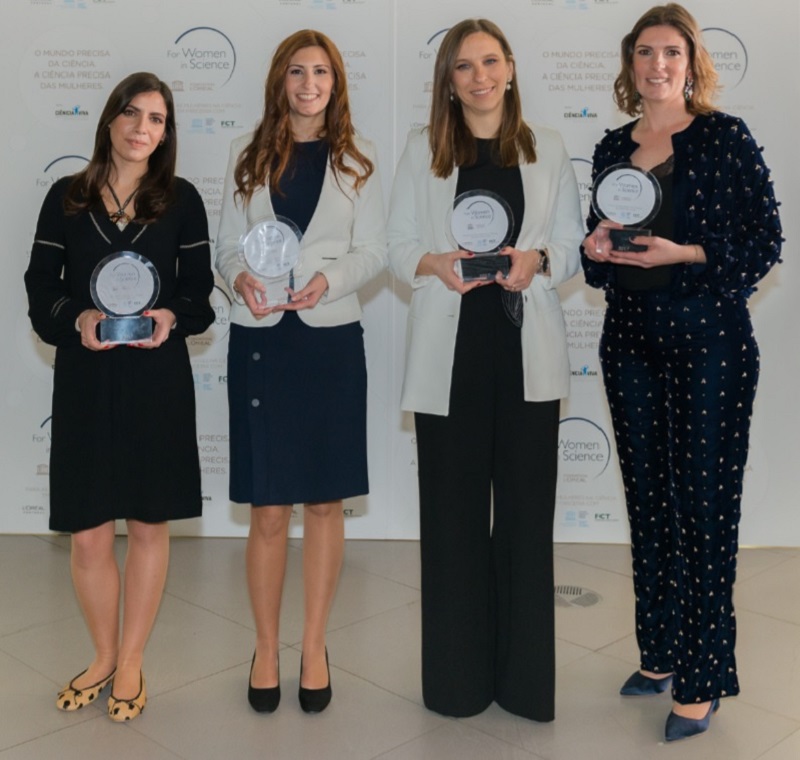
70,698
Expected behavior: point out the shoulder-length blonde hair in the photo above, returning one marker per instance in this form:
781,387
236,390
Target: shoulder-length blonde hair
157,187
268,153
700,64
451,142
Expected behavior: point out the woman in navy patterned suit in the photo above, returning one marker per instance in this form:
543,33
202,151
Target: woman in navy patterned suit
679,358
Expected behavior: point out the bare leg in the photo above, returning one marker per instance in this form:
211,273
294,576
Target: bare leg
96,579
654,676
266,568
323,549
145,575
695,711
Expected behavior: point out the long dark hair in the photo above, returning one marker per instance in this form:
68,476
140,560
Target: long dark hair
157,187
271,147
451,142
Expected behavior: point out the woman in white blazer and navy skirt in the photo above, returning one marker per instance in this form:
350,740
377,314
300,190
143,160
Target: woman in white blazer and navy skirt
486,366
296,365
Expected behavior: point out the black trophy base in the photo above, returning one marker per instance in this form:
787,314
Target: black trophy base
117,330
484,267
621,239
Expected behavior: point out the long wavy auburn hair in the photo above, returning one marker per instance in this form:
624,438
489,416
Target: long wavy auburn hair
266,157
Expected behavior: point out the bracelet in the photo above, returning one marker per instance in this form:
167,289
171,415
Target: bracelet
696,252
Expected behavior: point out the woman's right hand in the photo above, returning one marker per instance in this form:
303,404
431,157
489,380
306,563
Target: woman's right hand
443,266
597,245
87,325
254,293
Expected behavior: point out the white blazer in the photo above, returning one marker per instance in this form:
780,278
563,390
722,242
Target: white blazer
417,225
345,240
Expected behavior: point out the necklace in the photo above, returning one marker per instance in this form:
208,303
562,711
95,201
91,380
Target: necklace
120,217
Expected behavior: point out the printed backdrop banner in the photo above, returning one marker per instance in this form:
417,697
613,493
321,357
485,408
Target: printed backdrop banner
63,57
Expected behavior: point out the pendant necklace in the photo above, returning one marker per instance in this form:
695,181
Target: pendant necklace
120,217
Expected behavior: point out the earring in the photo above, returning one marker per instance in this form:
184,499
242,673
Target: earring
508,86
637,96
451,97
688,90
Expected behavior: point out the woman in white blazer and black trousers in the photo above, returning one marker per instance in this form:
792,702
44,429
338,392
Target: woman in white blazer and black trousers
486,366
296,366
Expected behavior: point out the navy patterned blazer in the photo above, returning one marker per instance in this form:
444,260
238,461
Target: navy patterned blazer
723,200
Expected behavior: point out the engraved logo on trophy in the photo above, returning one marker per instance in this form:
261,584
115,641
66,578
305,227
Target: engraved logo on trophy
481,222
123,286
630,196
271,251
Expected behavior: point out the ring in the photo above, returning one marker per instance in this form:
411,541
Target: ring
598,250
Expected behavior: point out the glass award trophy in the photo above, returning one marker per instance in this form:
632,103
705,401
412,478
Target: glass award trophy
630,196
271,251
123,285
481,222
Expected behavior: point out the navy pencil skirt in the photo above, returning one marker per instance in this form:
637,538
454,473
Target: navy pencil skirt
298,413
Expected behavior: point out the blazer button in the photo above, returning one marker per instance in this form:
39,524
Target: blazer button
256,356
255,402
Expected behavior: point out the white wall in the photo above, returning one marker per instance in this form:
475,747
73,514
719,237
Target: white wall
64,56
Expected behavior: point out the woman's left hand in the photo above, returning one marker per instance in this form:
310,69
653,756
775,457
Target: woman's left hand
660,252
163,320
524,265
308,297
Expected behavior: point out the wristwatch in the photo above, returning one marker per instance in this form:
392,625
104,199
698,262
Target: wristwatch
544,261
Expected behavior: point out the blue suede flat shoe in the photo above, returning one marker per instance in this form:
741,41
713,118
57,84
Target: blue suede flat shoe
678,727
639,685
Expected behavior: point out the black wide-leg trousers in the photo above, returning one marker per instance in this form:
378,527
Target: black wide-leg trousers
680,375
487,482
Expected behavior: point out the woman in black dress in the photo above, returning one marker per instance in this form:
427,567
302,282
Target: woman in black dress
296,364
123,427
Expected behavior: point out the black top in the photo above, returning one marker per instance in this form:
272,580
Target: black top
657,278
301,183
505,181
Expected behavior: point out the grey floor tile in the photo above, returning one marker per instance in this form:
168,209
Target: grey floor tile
788,749
36,586
768,660
599,625
395,560
28,705
197,664
97,738
456,741
774,592
211,719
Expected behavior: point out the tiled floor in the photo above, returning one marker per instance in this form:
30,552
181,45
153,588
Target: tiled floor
197,666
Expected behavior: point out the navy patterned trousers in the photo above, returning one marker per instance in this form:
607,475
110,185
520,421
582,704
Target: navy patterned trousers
680,375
